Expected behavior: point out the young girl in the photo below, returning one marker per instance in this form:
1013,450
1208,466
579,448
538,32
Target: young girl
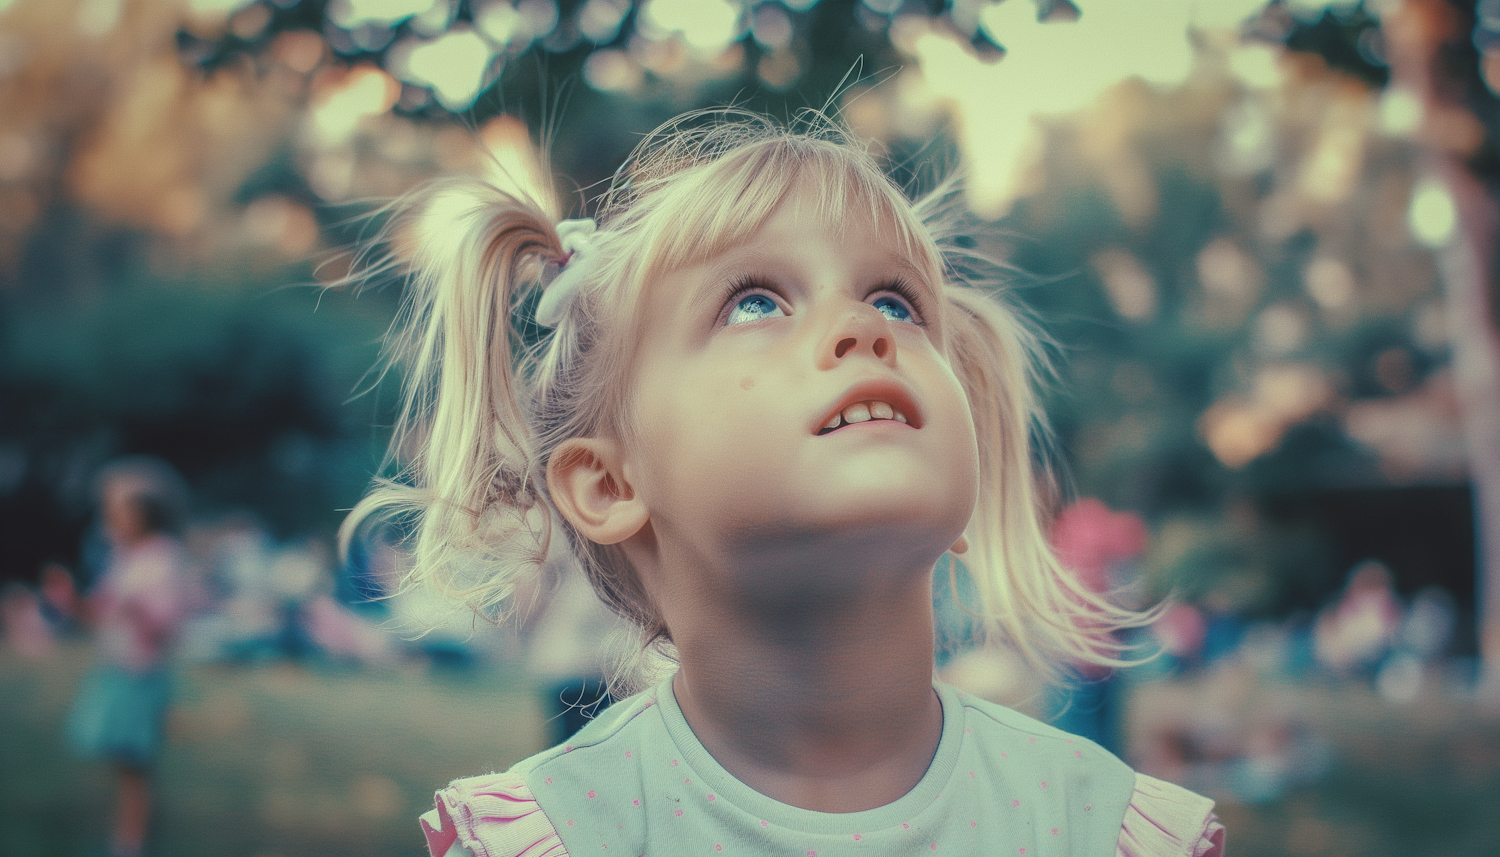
761,402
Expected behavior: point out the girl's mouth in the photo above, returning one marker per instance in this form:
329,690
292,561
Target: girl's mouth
862,412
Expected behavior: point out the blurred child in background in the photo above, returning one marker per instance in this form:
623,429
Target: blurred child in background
136,607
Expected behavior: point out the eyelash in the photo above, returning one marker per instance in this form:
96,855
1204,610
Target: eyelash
742,286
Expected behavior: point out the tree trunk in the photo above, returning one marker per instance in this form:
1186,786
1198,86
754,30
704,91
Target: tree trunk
1433,56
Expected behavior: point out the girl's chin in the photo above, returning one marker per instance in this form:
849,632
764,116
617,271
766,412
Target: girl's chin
904,531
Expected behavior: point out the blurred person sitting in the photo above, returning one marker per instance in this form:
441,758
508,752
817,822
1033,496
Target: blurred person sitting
136,608
1355,633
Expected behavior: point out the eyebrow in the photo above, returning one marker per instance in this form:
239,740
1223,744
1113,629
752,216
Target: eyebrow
905,264
729,264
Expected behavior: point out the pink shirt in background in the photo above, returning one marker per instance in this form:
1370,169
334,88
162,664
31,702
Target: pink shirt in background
141,602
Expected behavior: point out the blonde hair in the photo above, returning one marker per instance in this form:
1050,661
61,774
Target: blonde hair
488,396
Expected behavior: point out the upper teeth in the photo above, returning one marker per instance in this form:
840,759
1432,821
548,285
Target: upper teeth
860,412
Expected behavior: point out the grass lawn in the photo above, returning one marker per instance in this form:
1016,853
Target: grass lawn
1418,780
277,760
283,760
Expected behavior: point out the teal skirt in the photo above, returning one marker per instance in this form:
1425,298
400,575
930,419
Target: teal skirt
119,715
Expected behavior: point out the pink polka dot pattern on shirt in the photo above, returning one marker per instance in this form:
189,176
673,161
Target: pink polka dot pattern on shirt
858,836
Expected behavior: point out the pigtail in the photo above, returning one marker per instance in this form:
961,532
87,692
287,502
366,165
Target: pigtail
1025,594
464,493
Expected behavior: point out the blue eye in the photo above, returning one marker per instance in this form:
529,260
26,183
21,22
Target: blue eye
753,308
894,309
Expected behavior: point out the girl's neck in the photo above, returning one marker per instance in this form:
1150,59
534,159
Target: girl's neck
830,710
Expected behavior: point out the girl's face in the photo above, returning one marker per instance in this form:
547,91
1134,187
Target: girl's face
798,429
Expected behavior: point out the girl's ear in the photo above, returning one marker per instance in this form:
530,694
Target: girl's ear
960,546
585,477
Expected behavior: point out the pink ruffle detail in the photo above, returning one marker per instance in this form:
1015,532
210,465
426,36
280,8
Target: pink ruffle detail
493,816
1164,820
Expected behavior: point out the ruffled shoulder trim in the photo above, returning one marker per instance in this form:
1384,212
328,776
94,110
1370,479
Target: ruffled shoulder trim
1165,820
494,815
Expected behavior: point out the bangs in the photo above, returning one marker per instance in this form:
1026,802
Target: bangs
703,209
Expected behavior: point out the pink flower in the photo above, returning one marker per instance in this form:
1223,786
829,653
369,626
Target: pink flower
1090,538
591,794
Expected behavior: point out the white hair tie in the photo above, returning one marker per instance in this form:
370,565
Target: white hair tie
577,239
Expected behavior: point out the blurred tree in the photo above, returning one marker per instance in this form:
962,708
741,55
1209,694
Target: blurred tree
1447,54
1226,210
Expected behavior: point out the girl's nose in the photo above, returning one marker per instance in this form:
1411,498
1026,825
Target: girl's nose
861,330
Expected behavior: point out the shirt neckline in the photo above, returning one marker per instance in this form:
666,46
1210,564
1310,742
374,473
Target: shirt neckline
725,786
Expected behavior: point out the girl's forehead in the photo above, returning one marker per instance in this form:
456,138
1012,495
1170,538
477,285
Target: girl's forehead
805,214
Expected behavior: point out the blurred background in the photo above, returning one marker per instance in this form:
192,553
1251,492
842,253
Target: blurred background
1261,236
